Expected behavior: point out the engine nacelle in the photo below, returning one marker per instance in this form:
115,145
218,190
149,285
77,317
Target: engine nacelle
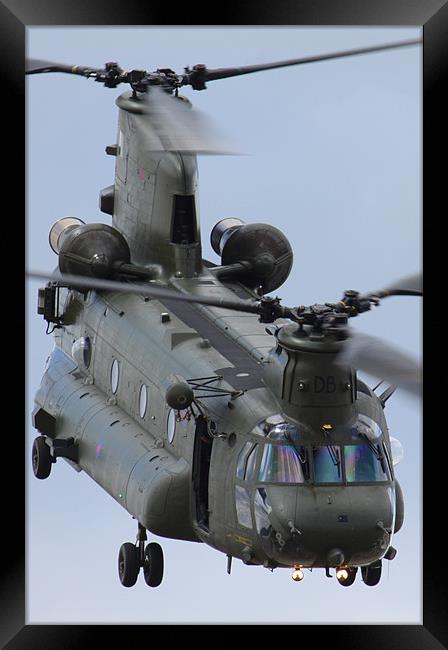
262,249
88,249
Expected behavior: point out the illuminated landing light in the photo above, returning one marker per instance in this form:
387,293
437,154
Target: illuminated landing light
297,574
327,427
341,574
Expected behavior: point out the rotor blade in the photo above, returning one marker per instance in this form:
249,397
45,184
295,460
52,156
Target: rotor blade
145,289
38,66
34,66
170,124
223,73
412,285
383,360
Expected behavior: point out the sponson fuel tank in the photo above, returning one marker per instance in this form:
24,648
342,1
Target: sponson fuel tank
134,467
303,374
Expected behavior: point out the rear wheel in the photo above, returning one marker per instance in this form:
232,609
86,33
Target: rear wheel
41,458
371,574
128,564
153,566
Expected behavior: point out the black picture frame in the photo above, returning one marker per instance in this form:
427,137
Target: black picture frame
432,15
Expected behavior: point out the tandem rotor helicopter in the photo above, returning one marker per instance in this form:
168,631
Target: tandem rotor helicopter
254,434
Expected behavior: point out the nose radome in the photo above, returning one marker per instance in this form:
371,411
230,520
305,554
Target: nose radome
327,526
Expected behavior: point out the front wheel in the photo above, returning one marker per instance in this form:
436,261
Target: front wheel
128,564
371,574
153,566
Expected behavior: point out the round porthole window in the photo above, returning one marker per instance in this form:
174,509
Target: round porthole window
143,400
171,425
114,375
82,352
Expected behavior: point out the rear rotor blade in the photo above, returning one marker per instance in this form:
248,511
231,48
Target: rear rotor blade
170,124
200,74
383,360
35,66
38,66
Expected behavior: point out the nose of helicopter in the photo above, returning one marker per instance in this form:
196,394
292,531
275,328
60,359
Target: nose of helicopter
328,526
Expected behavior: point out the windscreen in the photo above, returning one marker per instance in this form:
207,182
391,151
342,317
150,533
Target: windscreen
282,464
364,463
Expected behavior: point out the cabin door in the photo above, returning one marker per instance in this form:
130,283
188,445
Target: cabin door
201,466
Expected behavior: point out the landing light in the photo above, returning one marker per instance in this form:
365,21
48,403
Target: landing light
342,574
327,427
297,575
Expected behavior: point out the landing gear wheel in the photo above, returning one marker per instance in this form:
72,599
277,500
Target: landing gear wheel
128,564
352,571
371,574
153,565
41,458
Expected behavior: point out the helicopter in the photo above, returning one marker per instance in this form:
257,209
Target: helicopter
212,408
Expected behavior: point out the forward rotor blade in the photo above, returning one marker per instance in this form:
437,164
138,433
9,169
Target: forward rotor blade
382,360
223,73
412,285
147,289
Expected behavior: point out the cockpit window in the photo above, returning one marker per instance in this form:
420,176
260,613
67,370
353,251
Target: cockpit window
369,427
284,432
283,464
246,461
275,427
364,462
250,465
327,464
289,455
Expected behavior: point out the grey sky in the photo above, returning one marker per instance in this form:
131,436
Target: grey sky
334,160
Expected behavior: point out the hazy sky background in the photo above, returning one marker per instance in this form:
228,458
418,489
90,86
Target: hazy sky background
334,161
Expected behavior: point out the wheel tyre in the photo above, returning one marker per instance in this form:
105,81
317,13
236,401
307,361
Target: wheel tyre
128,564
41,458
352,571
153,566
371,574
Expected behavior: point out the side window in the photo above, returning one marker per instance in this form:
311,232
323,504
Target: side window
242,502
114,375
82,352
247,461
250,464
262,508
171,425
143,400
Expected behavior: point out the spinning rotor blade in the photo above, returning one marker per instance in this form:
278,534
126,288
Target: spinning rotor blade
361,351
170,124
200,74
38,66
112,75
382,360
147,289
35,66
412,285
